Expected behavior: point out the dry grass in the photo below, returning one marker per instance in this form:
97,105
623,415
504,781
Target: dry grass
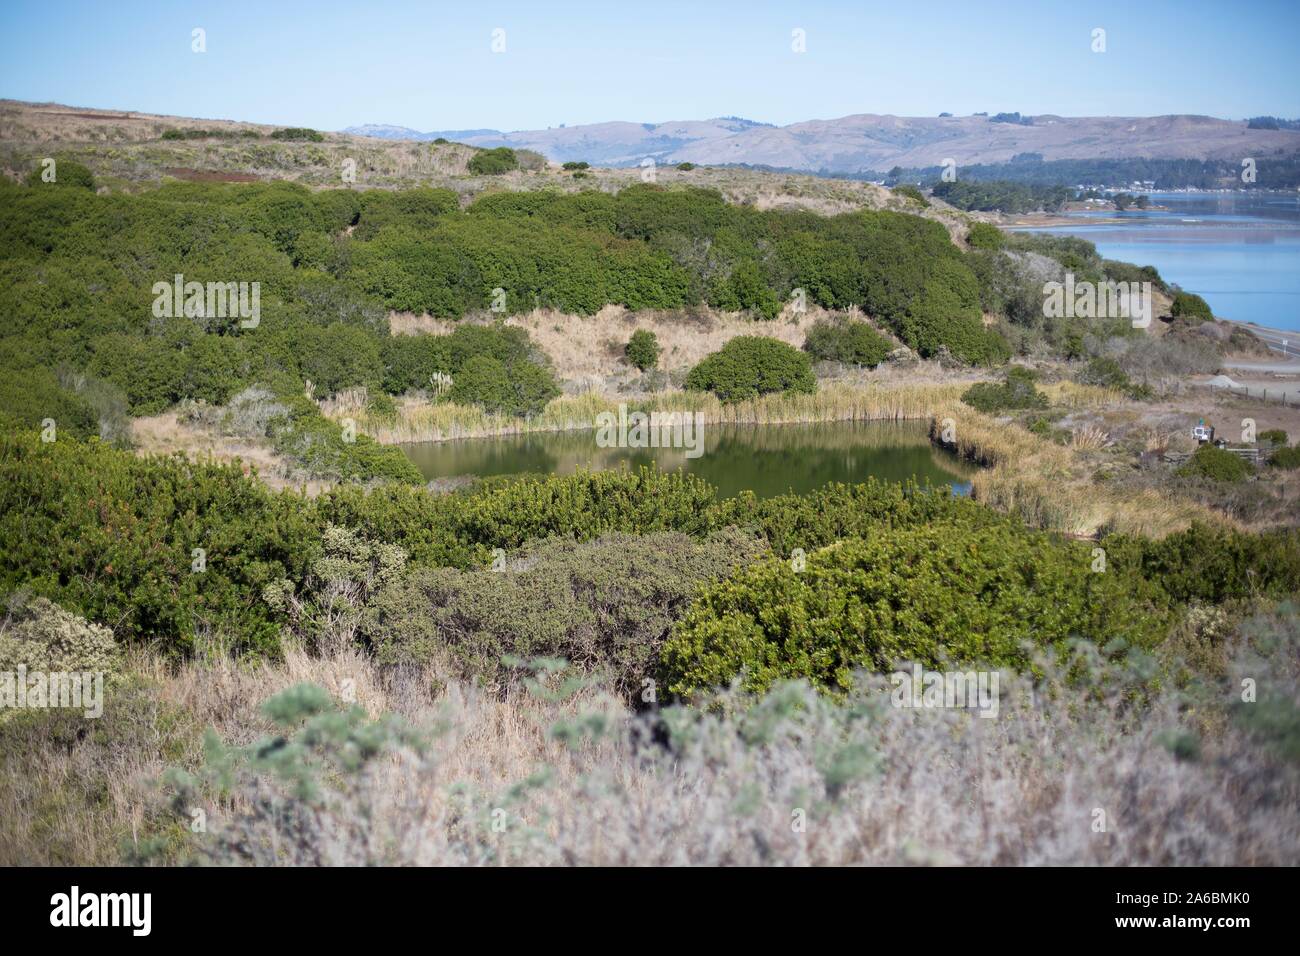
1088,438
420,421
1051,486
587,351
901,787
167,434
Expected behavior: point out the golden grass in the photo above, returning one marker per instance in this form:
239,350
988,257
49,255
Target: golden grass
166,434
1050,486
417,422
587,350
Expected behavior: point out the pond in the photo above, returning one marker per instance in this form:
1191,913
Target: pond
766,459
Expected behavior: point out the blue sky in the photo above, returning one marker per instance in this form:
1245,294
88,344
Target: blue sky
430,65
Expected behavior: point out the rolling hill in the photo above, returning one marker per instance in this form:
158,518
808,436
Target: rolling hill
870,142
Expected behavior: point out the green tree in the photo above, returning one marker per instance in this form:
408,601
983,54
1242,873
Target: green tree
749,366
642,349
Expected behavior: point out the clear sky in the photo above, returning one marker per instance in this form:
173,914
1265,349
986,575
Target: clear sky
430,65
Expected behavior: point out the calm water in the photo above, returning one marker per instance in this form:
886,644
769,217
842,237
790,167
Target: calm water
766,459
1240,251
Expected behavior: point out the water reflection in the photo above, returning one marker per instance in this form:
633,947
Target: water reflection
766,459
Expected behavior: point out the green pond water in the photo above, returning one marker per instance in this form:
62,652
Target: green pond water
766,459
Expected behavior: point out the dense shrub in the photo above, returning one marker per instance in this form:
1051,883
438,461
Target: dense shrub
984,235
1216,463
605,606
936,595
749,366
111,537
1191,306
642,349
1212,564
322,447
1277,436
520,389
324,610
66,173
298,134
1017,391
573,165
835,511
1288,458
419,209
31,396
853,343
461,529
43,637
492,162
76,269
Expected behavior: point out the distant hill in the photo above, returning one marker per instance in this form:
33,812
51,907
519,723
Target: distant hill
867,142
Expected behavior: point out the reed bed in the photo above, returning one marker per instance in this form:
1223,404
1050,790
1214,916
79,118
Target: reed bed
421,422
1050,486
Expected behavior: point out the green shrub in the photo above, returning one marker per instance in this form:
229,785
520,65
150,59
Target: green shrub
300,134
1017,391
1288,458
985,235
345,257
1216,463
749,366
937,595
1108,373
324,610
521,389
338,357
605,606
460,530
571,165
642,349
66,173
381,405
1191,306
486,381
29,397
410,361
323,448
493,162
1277,436
853,343
1212,564
836,511
912,193
686,167
111,537
746,290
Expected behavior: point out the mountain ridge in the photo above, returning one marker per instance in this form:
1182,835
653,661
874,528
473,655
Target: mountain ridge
865,142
